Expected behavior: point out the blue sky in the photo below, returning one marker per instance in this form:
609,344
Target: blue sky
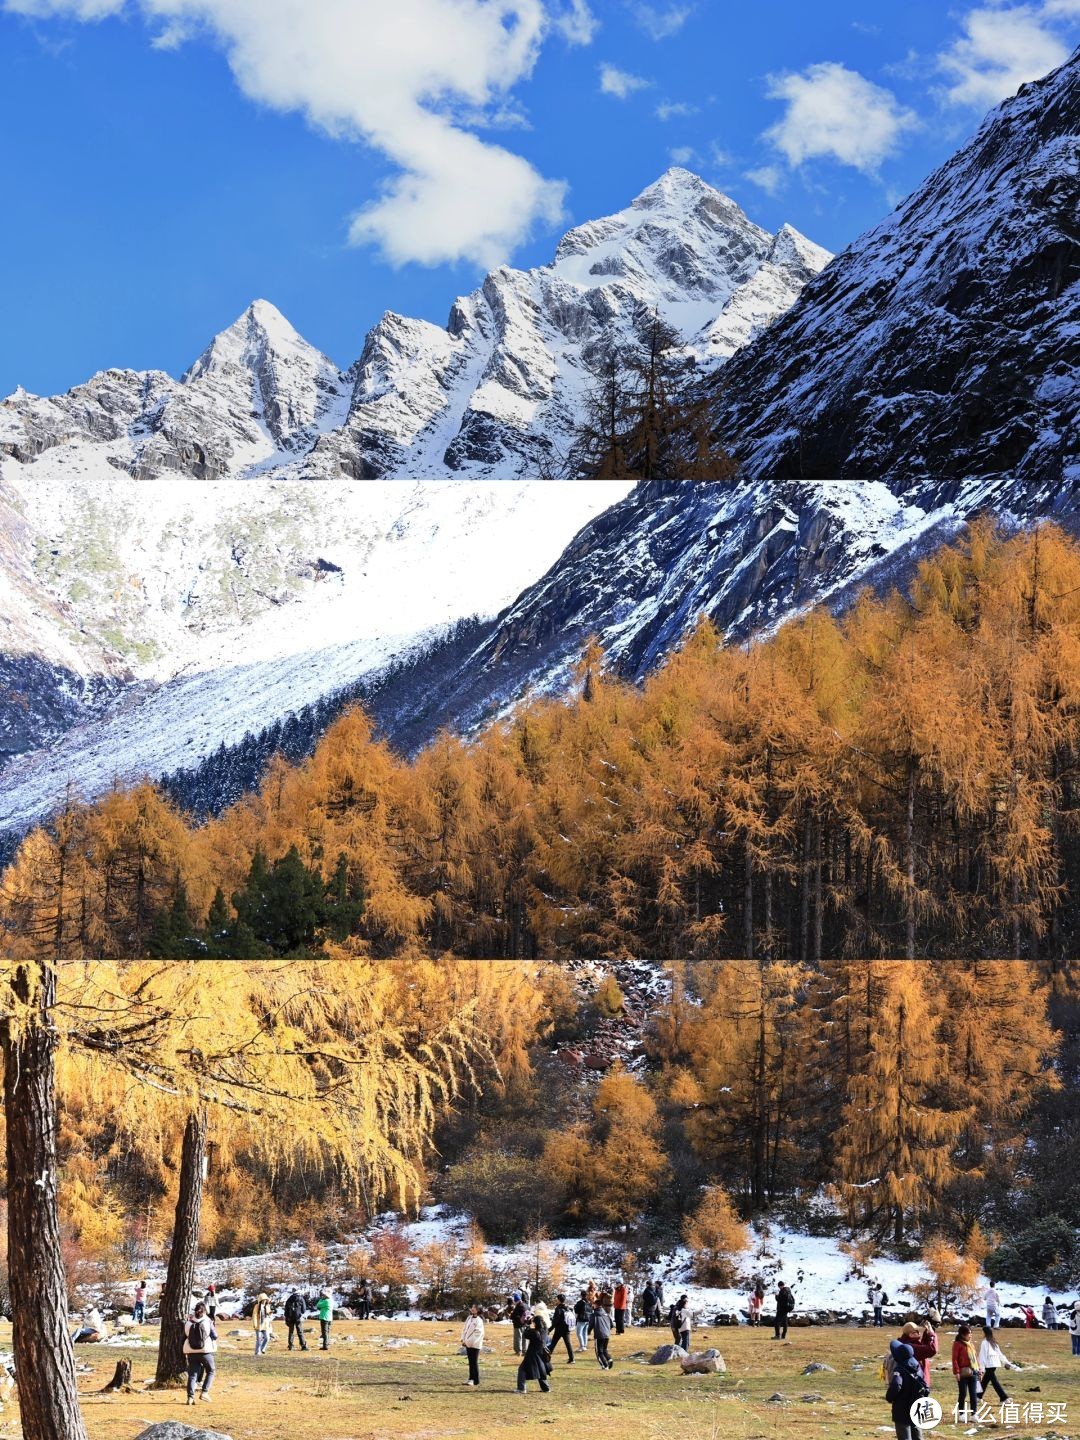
167,161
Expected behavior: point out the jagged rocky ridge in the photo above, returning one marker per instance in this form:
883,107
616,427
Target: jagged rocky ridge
496,393
945,341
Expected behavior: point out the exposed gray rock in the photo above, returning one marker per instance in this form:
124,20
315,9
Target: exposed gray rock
176,1430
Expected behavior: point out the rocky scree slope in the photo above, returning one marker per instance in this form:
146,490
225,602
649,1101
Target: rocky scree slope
945,341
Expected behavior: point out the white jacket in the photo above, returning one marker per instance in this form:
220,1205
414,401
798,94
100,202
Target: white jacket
1074,1320
992,1302
472,1334
991,1357
208,1331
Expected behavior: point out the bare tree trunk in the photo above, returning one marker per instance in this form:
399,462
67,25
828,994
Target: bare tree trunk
176,1296
909,861
44,1358
748,905
804,898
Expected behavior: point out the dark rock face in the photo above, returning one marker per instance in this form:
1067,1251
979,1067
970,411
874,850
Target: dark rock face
946,341
746,556
39,701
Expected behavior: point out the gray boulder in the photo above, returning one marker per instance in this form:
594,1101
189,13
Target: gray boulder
175,1430
704,1362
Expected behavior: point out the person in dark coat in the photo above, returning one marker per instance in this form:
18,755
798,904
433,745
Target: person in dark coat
535,1364
582,1321
648,1303
602,1327
294,1319
560,1329
785,1304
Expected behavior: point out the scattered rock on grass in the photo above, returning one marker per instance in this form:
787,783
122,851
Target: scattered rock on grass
816,1366
176,1430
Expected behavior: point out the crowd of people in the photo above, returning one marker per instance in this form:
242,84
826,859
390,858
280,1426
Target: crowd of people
603,1310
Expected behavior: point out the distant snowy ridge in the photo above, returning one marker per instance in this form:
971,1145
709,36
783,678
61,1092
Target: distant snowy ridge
497,393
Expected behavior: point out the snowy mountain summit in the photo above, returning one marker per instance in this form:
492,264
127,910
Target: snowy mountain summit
497,393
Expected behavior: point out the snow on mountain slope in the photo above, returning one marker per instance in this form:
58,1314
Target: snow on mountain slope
251,600
500,390
945,341
748,555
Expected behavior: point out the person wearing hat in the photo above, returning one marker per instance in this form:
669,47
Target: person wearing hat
325,1309
924,1344
260,1320
906,1387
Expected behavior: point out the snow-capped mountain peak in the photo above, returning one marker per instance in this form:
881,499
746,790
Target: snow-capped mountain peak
291,385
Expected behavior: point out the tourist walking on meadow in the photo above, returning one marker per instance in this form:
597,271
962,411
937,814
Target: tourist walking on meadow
261,1317
200,1343
582,1317
519,1316
294,1319
472,1337
992,1359
602,1334
992,1306
680,1322
1049,1313
325,1311
907,1386
535,1364
965,1366
785,1304
560,1329
618,1301
211,1303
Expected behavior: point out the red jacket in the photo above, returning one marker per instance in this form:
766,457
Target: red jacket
925,1349
619,1298
964,1357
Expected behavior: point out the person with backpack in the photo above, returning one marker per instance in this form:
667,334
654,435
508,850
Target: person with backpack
879,1300
261,1318
907,1387
535,1364
472,1339
618,1301
200,1343
560,1328
325,1311
582,1320
294,1319
965,1366
785,1305
602,1334
680,1322
992,1359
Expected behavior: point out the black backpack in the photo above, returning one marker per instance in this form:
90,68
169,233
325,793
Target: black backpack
198,1335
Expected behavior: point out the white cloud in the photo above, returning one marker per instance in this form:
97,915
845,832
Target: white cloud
682,155
660,21
1002,48
390,75
674,110
620,83
576,24
836,112
769,178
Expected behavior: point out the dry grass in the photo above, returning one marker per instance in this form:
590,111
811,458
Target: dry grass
365,1390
